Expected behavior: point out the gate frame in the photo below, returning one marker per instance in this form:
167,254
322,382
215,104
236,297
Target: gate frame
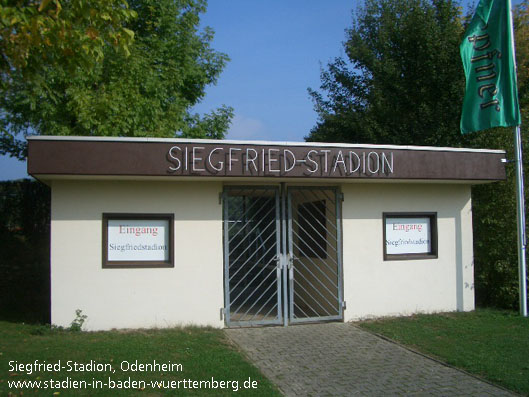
284,254
225,238
291,257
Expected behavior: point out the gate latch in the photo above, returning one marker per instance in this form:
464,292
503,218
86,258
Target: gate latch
290,261
277,258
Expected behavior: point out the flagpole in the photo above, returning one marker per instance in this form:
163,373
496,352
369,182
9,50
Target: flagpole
520,197
520,209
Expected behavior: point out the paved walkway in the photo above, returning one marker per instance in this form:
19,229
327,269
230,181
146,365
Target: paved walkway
337,359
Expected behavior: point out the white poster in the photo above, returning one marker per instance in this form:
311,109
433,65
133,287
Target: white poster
138,240
408,235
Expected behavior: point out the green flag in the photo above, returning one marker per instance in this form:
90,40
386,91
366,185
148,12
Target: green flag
487,51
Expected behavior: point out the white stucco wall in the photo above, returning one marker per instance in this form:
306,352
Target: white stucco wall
192,292
189,293
374,287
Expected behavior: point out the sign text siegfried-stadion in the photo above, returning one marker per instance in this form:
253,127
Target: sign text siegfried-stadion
247,160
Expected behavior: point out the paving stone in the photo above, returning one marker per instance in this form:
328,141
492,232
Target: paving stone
340,359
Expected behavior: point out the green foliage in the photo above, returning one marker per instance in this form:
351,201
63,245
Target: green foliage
149,93
494,205
403,83
489,343
48,329
495,230
24,251
78,321
60,33
24,208
204,353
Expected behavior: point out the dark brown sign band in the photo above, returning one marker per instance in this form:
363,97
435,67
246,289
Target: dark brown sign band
143,158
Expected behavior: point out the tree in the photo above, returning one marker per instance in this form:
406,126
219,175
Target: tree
59,33
403,83
494,205
24,243
147,93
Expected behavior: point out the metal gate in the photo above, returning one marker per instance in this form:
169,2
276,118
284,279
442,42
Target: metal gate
252,274
315,253
282,255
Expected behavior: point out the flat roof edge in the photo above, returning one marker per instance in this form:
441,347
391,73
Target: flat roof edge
250,142
254,181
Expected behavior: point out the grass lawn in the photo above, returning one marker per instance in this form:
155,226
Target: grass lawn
489,343
202,352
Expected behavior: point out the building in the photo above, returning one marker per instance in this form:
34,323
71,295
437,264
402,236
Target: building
152,232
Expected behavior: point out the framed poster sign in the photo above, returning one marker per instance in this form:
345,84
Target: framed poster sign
138,240
410,235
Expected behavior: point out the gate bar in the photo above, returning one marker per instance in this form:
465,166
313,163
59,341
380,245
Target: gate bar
284,252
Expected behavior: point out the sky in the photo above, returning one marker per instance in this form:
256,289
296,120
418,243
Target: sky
276,52
277,49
